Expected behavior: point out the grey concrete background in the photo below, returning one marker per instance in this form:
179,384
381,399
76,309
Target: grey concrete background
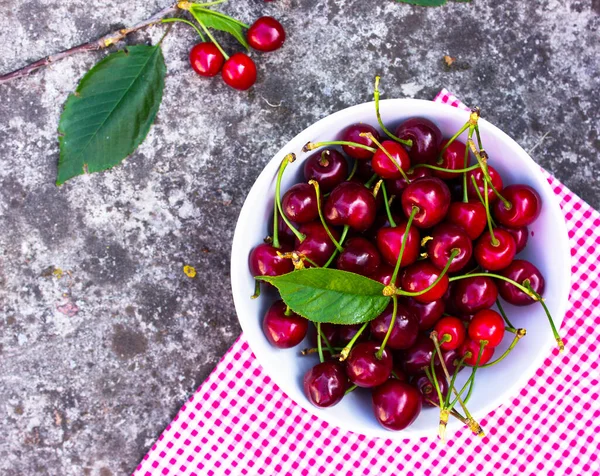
102,336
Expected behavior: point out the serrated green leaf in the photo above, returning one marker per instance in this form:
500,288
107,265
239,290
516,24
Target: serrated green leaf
425,3
330,295
111,112
218,21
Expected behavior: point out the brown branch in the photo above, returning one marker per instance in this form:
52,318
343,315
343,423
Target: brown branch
99,44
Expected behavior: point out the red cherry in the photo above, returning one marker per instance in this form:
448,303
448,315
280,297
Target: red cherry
381,221
299,203
405,330
451,358
285,232
353,134
239,72
471,216
328,331
328,167
384,167
429,391
453,158
389,242
521,236
479,179
206,59
325,384
451,328
428,314
396,404
495,256
266,34
317,246
446,239
487,325
351,204
384,275
397,186
526,205
420,276
520,271
431,196
419,355
347,333
473,294
364,369
359,256
284,331
426,138
398,372
264,260
364,170
473,347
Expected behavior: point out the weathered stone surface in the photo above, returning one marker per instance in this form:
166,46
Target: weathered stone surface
102,335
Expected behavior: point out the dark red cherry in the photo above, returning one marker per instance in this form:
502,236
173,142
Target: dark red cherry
431,196
398,372
451,359
447,238
347,333
384,275
285,232
353,134
520,271
426,138
428,390
427,313
471,216
451,332
396,404
397,186
381,221
472,347
419,276
495,256
317,246
405,330
264,260
419,355
328,167
389,242
328,331
359,256
364,170
351,204
384,167
521,236
488,326
474,294
325,384
266,34
526,205
299,203
453,158
364,369
479,179
239,72
284,331
206,59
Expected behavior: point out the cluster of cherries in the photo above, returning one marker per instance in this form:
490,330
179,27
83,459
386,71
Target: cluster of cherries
411,212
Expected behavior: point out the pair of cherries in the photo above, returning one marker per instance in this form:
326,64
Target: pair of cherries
238,71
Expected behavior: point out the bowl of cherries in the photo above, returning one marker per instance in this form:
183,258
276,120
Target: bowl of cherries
401,267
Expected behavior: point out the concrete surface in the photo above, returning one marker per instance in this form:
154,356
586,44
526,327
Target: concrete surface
102,336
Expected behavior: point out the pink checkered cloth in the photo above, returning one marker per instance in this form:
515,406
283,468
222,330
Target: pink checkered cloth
240,422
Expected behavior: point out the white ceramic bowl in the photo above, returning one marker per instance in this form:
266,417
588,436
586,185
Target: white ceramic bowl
548,249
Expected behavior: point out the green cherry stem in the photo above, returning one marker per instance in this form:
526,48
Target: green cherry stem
315,145
350,389
346,350
315,184
444,413
390,289
288,159
479,143
503,314
441,169
561,345
385,151
335,252
371,181
256,294
438,279
498,276
461,362
518,335
482,159
465,164
379,353
407,143
387,205
353,171
187,22
486,204
453,138
330,348
209,34
319,346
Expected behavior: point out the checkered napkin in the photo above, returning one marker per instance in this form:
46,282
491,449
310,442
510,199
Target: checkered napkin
240,422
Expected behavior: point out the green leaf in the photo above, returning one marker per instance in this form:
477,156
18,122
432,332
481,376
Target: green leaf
425,3
218,21
330,295
111,112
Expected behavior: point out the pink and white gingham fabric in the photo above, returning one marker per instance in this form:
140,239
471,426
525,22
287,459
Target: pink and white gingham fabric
239,422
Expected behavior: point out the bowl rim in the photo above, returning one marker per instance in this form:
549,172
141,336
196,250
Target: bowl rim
239,261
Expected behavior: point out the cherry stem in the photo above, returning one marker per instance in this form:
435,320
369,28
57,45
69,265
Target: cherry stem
518,335
350,389
406,142
504,316
315,184
379,353
479,143
453,412
531,294
443,411
288,159
346,350
466,126
387,206
385,151
187,22
465,163
335,252
315,145
461,362
319,346
413,212
370,182
209,34
320,334
288,311
353,171
442,169
256,290
314,350
487,214
482,159
561,345
455,253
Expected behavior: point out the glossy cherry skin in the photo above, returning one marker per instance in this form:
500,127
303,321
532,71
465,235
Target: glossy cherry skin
494,257
526,205
265,34
428,390
419,355
396,404
479,179
239,72
364,369
389,242
328,167
427,313
283,331
264,261
347,333
381,221
426,138
351,204
384,167
353,134
487,325
405,330
360,256
397,186
521,236
520,270
474,347
299,203
421,275
454,329
451,358
325,384
384,275
317,246
446,238
431,196
470,216
453,158
206,59
474,294
328,331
